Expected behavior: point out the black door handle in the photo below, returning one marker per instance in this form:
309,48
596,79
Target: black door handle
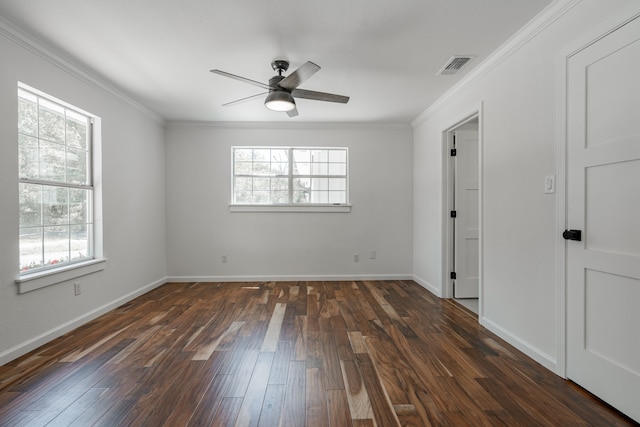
572,235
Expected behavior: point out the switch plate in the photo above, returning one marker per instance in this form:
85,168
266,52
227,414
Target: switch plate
372,254
550,184
356,257
77,289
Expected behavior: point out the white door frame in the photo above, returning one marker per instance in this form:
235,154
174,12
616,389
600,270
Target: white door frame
447,193
622,17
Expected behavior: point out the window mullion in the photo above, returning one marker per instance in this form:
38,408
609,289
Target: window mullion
290,175
90,152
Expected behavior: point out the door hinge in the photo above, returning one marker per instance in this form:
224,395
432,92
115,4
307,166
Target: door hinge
454,152
453,214
452,275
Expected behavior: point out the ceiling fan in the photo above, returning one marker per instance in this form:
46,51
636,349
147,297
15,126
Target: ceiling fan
282,90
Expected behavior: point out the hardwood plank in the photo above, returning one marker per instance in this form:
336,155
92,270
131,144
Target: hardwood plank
330,359
249,413
357,397
116,401
205,352
205,412
280,367
387,363
341,338
272,407
300,337
364,423
273,331
243,372
338,407
227,412
317,415
358,344
380,403
75,411
294,412
156,404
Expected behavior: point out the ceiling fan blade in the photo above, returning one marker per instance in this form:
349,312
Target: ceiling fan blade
319,96
296,78
292,113
241,100
242,79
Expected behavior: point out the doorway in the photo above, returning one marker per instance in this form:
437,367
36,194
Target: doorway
463,212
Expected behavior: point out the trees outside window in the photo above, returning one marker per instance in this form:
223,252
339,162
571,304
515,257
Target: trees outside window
290,176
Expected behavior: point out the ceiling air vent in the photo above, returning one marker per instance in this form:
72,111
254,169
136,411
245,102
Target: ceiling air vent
454,65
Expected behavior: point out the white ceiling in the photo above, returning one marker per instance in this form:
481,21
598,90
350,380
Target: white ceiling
383,54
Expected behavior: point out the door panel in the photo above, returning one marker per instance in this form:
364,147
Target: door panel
605,124
467,208
609,186
603,291
603,200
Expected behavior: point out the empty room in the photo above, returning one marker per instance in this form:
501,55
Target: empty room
299,213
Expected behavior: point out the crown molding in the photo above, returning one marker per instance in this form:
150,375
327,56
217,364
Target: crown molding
48,53
290,126
527,33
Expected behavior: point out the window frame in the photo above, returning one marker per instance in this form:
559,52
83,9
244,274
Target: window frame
290,176
46,275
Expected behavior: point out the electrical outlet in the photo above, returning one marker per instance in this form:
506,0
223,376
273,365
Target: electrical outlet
372,254
77,289
223,258
356,257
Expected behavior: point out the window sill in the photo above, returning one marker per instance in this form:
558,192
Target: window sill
31,282
290,208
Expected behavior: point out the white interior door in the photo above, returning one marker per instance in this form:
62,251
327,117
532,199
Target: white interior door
603,191
467,212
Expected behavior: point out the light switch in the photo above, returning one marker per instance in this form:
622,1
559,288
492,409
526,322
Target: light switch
550,184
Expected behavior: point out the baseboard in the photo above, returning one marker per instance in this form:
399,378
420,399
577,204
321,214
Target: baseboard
532,351
428,286
290,278
30,345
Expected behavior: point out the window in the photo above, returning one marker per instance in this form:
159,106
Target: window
55,183
293,176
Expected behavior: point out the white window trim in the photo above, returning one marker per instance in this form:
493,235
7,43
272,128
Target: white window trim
28,282
41,279
338,208
291,207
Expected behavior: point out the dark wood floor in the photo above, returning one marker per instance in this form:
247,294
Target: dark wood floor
372,353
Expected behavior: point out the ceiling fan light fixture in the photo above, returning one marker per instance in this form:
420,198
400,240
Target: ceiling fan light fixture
280,100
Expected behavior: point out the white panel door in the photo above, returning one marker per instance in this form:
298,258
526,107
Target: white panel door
467,211
603,191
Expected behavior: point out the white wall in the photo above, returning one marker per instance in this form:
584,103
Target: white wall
520,226
264,245
133,197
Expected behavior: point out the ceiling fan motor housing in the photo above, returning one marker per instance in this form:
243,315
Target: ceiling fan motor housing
273,82
279,98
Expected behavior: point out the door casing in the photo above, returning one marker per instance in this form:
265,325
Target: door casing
448,203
